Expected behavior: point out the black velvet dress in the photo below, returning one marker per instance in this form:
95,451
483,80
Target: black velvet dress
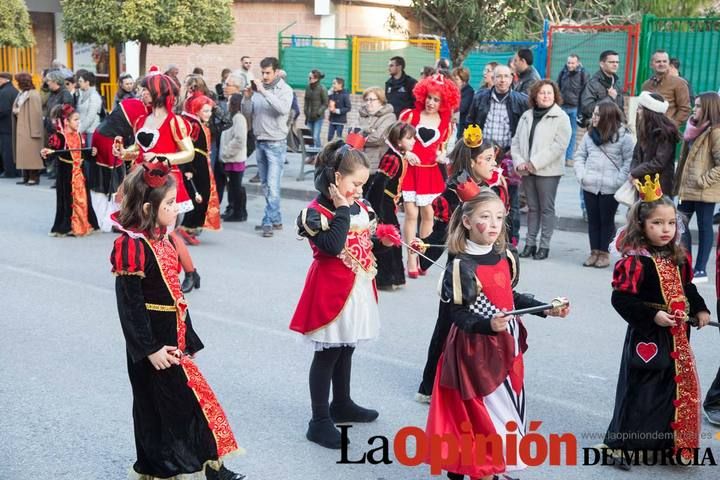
383,195
657,402
179,424
74,214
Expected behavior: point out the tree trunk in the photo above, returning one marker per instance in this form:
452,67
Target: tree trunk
143,58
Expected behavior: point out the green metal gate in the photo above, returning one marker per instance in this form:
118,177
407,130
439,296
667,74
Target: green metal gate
695,41
301,53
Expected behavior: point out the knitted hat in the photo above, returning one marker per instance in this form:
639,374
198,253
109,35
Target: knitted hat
646,100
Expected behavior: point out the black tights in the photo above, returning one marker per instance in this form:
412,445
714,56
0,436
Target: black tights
332,364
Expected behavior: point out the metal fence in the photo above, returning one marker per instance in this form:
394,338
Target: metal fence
588,42
298,54
371,54
694,41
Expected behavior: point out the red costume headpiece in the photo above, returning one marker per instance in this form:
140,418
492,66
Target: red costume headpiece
466,188
156,173
443,86
356,140
195,102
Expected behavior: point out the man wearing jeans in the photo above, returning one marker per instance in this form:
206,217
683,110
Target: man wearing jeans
268,103
571,82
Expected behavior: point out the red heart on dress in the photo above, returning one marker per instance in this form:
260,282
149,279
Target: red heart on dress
646,351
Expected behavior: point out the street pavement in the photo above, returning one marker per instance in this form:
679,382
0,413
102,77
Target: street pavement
65,397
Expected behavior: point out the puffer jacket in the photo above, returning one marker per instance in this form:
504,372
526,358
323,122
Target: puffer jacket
550,141
374,128
698,171
316,101
603,169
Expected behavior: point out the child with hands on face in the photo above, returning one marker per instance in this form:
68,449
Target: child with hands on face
478,386
337,309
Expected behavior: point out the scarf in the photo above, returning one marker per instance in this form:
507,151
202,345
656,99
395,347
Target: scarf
693,131
538,114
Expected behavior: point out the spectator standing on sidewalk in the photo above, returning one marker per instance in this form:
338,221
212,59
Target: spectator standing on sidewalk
315,104
8,93
89,106
399,87
461,77
571,81
496,111
602,164
673,89
527,74
268,102
338,105
674,70
604,86
126,88
697,178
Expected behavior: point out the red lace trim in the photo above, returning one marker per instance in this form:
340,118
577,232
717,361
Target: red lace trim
686,424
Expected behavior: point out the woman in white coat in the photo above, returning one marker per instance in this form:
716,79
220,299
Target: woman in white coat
538,154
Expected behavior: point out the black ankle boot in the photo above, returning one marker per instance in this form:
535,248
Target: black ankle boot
192,280
528,251
350,412
542,254
324,433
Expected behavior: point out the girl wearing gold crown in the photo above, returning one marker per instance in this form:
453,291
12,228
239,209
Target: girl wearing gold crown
657,403
171,398
479,385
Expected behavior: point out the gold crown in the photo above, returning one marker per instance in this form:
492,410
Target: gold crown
472,136
650,190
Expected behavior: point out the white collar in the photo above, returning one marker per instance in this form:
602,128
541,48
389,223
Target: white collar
392,147
473,248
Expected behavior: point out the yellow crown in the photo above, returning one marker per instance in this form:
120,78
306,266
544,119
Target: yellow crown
472,136
650,190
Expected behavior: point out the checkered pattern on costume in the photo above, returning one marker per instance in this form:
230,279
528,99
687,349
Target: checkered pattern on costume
483,307
497,123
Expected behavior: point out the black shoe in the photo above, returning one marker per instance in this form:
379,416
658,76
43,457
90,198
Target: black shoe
542,254
349,412
229,213
22,182
222,474
528,251
716,219
234,218
192,280
712,415
324,433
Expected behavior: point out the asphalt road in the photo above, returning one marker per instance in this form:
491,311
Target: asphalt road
65,397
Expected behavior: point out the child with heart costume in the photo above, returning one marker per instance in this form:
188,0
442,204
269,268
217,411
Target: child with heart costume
436,98
479,386
657,402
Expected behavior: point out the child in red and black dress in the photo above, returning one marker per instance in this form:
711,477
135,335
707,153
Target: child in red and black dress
384,194
180,428
657,402
473,163
163,135
338,306
199,174
479,385
74,214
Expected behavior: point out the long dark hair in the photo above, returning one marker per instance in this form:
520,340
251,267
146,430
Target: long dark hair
655,127
610,119
235,104
462,156
136,194
633,238
337,156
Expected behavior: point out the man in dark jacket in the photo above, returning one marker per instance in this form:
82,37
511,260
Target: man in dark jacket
399,87
497,111
604,86
59,95
7,97
571,81
527,74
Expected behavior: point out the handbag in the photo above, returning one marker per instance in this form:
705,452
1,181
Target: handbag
626,194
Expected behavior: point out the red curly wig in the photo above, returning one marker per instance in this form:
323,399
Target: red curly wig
445,87
195,102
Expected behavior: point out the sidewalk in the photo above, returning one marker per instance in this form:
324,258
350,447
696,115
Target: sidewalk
567,203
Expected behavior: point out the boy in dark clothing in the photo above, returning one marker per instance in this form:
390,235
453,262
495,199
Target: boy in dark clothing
338,105
399,87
